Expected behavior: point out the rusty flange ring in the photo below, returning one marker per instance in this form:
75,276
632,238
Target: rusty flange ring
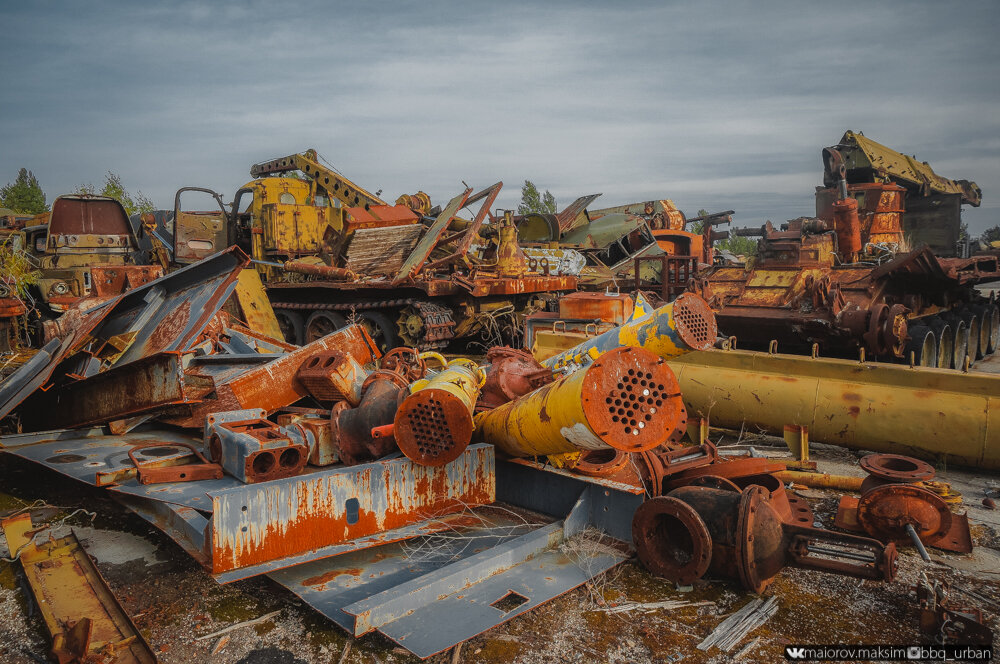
601,463
672,540
748,546
896,468
885,511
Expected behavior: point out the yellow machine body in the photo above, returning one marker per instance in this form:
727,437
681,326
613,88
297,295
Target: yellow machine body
931,413
626,399
433,425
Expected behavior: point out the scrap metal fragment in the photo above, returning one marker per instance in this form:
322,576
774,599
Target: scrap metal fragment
80,612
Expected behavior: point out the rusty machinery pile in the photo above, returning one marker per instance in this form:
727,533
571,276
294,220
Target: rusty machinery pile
412,274
302,460
875,269
262,457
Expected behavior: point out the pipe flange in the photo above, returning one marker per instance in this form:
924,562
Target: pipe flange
672,540
896,468
751,501
601,463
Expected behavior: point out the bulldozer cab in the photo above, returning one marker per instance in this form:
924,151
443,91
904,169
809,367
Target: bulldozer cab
283,218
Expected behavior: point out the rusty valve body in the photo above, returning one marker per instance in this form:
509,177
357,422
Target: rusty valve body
512,373
747,538
352,427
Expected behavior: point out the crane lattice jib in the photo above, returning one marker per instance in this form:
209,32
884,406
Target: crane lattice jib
336,185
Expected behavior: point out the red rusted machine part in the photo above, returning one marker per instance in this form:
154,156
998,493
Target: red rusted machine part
659,463
385,431
958,539
186,473
512,373
601,463
752,543
848,228
948,622
11,307
325,271
333,375
672,540
406,362
352,427
790,508
255,449
885,511
741,467
893,469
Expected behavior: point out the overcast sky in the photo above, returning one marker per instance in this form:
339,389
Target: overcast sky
716,105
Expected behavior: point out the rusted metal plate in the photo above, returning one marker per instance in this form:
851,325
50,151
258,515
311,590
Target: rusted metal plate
257,311
415,261
86,453
276,384
330,584
611,307
163,315
116,279
144,386
462,589
80,612
265,522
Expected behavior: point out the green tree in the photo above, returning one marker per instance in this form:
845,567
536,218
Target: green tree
114,188
25,196
532,201
698,226
990,235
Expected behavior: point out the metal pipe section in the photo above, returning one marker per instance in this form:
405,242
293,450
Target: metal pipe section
626,399
433,425
684,325
312,269
924,412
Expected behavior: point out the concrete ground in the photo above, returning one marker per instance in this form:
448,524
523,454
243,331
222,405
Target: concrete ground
174,602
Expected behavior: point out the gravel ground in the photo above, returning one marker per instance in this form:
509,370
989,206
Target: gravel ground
173,602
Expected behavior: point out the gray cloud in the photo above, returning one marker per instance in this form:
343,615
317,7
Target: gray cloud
713,104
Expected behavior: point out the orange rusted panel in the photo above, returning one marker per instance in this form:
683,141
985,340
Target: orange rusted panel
116,279
611,307
261,523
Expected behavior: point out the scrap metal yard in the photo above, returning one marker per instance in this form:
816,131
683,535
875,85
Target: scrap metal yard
313,425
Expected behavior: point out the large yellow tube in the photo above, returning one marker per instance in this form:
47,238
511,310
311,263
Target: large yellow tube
684,325
924,412
627,399
433,425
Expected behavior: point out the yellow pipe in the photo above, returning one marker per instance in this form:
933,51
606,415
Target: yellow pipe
821,480
684,325
433,425
925,412
627,399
